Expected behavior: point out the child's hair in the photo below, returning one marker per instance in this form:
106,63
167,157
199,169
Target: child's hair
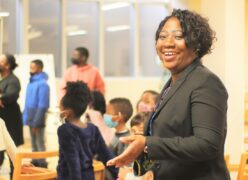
98,103
124,106
154,94
139,118
77,97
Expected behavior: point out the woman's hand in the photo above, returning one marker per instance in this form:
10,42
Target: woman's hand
136,147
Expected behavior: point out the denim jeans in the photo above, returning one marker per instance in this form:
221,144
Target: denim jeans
38,144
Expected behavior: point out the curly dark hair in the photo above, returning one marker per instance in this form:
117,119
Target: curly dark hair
77,97
197,33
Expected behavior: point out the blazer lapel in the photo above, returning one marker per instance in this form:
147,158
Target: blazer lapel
176,85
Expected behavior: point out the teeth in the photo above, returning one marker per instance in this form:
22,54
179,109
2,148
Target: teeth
169,53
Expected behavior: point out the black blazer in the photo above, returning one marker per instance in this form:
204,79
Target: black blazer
189,129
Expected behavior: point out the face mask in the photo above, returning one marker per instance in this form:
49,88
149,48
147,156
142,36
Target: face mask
75,61
143,107
108,121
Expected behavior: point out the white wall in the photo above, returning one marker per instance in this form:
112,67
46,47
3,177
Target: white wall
228,61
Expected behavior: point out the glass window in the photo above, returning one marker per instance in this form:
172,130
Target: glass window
5,15
119,59
150,16
44,29
82,29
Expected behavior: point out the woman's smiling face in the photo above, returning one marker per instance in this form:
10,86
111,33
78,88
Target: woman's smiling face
172,49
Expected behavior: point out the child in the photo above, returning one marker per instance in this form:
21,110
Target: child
137,123
119,110
78,141
147,101
137,127
95,114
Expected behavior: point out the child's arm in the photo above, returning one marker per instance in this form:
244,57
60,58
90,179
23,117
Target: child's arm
67,145
104,153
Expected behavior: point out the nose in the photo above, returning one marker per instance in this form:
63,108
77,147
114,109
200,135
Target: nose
169,42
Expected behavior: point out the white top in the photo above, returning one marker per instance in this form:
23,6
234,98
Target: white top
6,142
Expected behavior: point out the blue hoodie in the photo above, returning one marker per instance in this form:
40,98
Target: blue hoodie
37,101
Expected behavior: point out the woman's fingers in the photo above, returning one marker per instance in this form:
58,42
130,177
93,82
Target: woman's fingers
137,144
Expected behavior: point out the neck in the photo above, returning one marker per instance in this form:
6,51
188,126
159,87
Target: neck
82,64
4,74
77,122
120,127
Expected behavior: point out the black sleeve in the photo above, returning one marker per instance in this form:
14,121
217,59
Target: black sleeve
11,92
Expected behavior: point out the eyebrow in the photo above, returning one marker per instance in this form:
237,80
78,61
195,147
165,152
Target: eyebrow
176,30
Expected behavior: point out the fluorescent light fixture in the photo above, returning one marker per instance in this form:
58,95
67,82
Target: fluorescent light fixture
77,33
34,34
117,28
115,6
4,14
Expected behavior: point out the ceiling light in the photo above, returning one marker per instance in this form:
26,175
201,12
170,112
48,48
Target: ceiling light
77,33
117,28
115,6
4,14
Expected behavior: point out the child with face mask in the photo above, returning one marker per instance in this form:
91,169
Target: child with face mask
147,101
79,142
118,112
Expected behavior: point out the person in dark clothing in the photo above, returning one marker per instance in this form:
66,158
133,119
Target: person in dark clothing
184,137
36,106
79,142
9,108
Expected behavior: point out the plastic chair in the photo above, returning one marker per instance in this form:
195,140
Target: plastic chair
243,170
98,170
33,173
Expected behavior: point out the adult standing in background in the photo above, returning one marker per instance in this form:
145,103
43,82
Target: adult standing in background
82,71
185,136
9,108
36,106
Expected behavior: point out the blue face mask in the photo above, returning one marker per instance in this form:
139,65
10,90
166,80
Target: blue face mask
108,121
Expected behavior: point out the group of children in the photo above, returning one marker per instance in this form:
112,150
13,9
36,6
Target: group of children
81,142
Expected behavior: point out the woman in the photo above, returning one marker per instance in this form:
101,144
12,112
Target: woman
186,133
9,93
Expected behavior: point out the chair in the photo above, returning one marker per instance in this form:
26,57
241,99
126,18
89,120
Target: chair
33,173
243,171
98,170
227,159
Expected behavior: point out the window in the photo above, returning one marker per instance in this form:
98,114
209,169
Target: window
148,23
118,60
82,29
44,29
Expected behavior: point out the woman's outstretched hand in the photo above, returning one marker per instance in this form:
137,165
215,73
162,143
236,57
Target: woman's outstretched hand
136,147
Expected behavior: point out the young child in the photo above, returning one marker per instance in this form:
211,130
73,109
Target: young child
147,101
137,123
97,109
79,142
137,127
119,110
